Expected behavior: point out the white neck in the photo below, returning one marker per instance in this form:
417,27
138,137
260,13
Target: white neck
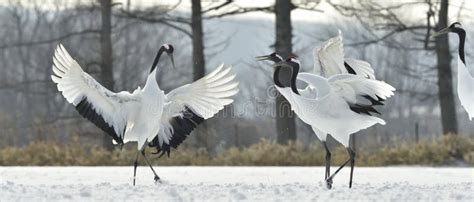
151,80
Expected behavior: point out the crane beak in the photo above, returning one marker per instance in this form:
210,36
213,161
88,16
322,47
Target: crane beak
440,32
262,58
172,60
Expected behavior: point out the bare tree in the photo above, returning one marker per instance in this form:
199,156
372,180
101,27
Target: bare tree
199,66
198,43
445,78
106,68
285,118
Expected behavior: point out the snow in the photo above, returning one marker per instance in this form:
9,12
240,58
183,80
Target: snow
233,183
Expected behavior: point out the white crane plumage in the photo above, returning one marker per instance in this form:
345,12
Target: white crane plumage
147,115
465,82
350,79
337,106
331,60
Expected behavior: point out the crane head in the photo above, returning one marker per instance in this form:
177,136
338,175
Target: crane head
455,27
169,49
272,57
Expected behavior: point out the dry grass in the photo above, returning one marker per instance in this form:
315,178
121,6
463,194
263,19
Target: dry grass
448,150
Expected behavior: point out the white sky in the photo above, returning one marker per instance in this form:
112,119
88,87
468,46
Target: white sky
299,15
468,7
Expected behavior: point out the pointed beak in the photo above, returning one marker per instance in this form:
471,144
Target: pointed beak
440,32
172,60
262,58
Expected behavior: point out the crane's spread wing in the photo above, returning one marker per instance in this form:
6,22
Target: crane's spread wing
360,67
330,57
361,93
191,104
92,101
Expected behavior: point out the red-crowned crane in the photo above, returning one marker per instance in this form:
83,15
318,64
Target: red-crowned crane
465,80
147,116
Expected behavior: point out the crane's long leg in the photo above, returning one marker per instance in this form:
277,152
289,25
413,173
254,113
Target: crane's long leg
329,179
351,160
328,161
157,178
135,164
352,155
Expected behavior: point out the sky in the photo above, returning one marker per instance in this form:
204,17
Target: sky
263,22
298,15
302,15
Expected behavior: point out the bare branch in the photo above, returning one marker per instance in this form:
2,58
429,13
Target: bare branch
242,10
52,40
237,10
387,35
165,20
218,6
308,6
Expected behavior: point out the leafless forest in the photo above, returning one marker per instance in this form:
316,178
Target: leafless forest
116,42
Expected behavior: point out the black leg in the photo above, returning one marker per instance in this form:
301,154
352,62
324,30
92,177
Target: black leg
328,161
352,155
329,179
135,164
149,164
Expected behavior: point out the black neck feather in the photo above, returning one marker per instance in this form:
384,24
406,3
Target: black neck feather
462,38
276,76
294,74
292,84
157,58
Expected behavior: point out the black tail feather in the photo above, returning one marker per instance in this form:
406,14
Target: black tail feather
378,101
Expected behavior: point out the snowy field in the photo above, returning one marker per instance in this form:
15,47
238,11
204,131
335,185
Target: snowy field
233,183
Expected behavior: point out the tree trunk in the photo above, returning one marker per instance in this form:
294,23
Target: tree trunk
199,68
285,121
106,73
445,79
198,44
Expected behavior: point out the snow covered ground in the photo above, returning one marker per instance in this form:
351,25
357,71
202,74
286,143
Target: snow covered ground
233,183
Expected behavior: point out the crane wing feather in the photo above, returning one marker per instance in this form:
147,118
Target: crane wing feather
189,105
330,56
361,68
356,90
93,101
360,93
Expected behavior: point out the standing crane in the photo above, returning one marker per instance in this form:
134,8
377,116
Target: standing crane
465,79
339,99
331,60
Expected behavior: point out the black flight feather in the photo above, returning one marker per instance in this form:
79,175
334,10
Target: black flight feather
349,68
85,109
182,127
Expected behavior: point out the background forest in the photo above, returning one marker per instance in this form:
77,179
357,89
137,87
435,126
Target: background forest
116,41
